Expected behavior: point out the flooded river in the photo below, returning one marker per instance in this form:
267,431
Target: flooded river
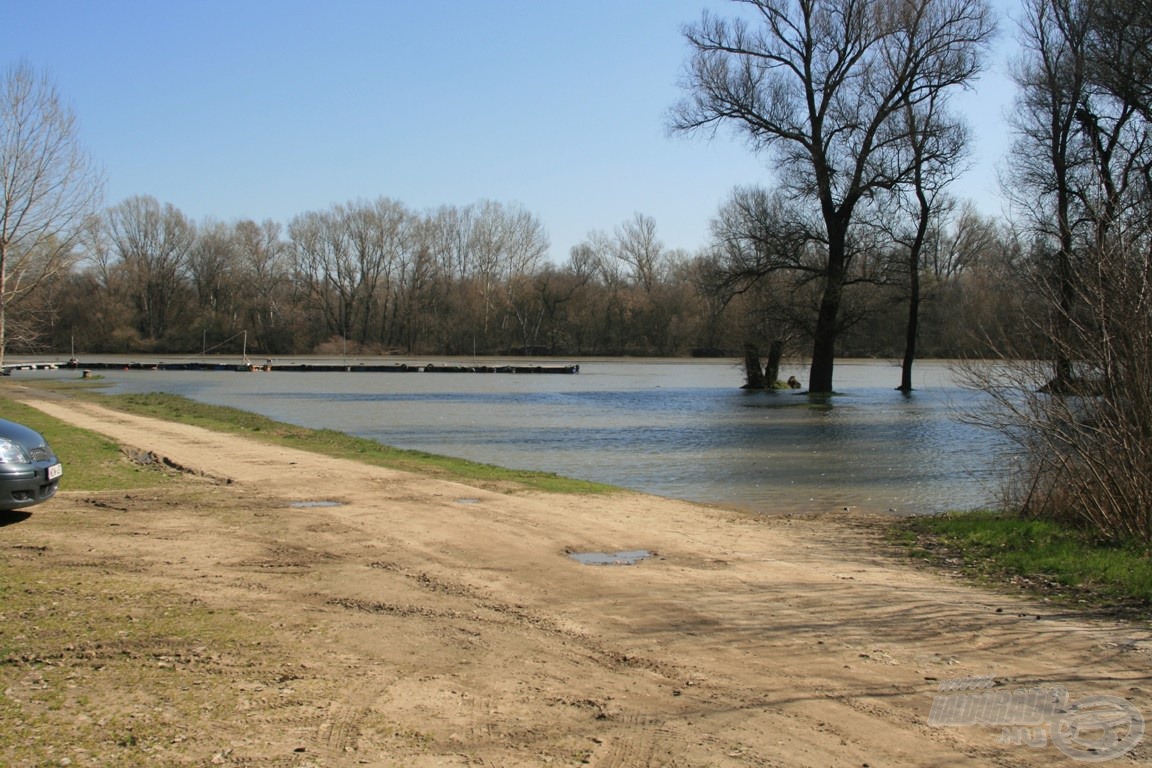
679,428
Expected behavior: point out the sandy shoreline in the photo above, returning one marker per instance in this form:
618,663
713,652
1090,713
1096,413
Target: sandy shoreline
431,623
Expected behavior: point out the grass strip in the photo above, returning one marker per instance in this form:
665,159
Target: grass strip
91,461
330,442
1041,556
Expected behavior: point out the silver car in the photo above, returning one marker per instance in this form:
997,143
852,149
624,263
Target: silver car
29,469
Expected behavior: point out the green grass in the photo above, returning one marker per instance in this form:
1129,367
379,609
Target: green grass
1040,554
326,441
91,462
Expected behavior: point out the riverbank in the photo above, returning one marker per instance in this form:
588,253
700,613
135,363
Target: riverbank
1041,556
277,607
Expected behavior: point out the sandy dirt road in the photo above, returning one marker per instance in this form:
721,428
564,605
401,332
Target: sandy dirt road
413,621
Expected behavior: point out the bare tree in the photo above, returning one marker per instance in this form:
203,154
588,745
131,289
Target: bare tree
415,279
764,261
49,185
1119,51
644,267
1083,157
936,142
212,268
152,242
322,263
757,232
1047,153
637,246
264,283
965,240
824,85
506,243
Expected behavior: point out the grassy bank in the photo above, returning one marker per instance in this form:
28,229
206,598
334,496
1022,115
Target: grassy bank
323,441
92,462
1040,556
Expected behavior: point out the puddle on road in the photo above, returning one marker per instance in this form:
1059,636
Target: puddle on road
312,504
629,557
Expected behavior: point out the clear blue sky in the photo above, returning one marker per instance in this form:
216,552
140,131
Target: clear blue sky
270,108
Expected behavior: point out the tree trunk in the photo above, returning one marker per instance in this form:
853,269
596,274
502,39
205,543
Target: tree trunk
1062,360
772,369
823,352
753,375
912,330
827,322
3,300
911,333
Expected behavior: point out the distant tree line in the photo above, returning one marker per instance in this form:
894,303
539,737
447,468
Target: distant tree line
856,252
375,277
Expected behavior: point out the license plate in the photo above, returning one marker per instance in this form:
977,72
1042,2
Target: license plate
55,471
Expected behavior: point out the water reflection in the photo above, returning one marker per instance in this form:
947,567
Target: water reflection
674,428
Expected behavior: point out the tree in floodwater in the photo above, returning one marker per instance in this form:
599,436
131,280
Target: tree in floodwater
824,85
936,142
762,261
1048,154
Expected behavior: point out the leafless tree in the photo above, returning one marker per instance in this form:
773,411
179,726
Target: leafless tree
964,240
1119,51
823,85
151,242
637,246
48,183
414,283
506,244
381,238
758,232
1048,154
1083,158
264,283
936,144
213,261
323,264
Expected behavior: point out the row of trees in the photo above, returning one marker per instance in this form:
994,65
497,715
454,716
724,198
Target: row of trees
850,98
374,277
849,93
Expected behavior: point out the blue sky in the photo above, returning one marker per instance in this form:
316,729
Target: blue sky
270,108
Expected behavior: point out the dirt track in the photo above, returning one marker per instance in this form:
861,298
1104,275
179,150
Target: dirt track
422,622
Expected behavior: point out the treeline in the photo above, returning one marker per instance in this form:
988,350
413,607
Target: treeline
375,277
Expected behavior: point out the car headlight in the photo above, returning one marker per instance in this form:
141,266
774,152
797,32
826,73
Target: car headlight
11,453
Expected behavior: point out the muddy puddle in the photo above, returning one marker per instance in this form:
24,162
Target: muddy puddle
628,557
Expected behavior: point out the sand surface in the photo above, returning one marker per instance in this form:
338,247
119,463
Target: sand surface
413,621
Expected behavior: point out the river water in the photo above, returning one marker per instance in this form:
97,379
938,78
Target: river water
678,428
